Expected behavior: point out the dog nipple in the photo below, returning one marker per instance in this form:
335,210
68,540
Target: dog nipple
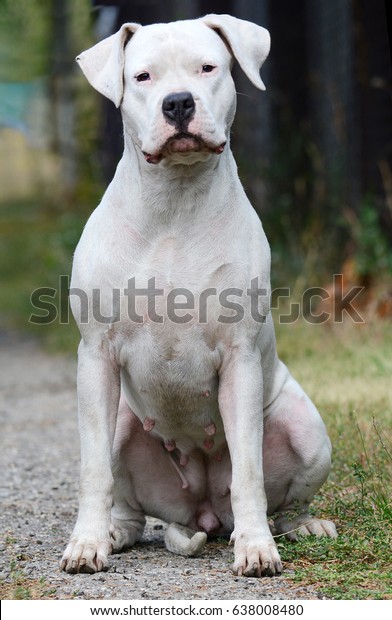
206,393
170,445
210,429
148,424
208,444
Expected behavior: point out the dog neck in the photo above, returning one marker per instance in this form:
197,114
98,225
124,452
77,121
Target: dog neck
169,189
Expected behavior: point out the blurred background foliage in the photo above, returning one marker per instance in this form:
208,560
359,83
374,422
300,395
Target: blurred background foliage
314,151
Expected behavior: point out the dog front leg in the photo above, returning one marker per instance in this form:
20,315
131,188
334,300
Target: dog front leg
241,408
98,396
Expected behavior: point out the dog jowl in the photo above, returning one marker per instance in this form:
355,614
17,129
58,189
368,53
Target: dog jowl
194,422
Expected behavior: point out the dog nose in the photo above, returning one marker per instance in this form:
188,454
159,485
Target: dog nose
178,107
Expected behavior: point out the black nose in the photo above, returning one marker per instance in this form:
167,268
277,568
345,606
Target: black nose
178,107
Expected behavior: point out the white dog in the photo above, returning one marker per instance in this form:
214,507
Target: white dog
185,411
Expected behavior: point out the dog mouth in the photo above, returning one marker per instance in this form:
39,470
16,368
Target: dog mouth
183,143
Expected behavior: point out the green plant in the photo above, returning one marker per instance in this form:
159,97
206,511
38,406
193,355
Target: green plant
347,375
21,587
372,253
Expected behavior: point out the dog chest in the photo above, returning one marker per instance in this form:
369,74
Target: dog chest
171,384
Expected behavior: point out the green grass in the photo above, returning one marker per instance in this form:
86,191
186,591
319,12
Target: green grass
19,587
37,241
347,371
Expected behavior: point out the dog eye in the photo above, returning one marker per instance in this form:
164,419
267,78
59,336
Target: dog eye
207,68
143,77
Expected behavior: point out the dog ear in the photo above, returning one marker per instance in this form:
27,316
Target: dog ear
249,43
103,64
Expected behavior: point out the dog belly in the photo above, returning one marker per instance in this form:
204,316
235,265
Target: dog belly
175,395
195,493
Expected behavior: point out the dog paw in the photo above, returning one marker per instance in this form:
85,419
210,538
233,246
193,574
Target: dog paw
123,537
255,556
304,525
83,556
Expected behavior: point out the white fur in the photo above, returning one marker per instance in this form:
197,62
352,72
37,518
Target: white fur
187,222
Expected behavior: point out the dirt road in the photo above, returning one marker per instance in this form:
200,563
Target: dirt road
39,477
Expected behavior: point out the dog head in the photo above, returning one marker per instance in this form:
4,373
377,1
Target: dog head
173,81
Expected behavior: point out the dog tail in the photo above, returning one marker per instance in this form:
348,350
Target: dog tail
184,541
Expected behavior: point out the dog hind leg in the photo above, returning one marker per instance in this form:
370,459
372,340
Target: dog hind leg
127,522
297,461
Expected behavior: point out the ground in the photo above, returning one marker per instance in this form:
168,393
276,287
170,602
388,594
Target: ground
39,463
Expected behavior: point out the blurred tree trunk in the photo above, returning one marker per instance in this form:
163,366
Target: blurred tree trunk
62,94
252,125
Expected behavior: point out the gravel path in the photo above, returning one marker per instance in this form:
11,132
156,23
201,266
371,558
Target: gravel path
39,469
